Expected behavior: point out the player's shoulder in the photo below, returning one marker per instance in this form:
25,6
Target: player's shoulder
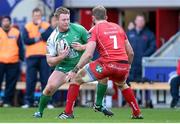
77,27
55,32
53,35
117,27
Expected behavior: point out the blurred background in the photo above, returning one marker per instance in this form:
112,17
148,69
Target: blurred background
158,81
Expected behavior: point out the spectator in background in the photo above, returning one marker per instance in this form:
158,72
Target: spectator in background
174,87
35,35
143,44
53,21
131,26
11,52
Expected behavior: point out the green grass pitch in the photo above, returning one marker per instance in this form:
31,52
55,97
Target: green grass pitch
88,115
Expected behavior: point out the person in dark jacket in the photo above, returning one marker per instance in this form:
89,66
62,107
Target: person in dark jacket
142,41
174,87
35,36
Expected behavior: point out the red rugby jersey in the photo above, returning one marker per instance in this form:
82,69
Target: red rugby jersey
110,39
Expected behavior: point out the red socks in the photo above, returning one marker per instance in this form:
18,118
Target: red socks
130,98
72,95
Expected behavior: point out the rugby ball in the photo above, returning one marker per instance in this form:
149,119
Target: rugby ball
61,45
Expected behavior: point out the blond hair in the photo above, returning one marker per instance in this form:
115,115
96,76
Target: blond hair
61,10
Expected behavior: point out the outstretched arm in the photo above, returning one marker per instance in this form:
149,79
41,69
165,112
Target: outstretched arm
87,55
78,46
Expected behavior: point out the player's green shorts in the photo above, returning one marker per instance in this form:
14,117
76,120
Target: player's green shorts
63,69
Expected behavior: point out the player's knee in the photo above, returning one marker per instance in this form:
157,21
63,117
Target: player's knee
49,90
83,77
103,81
78,79
122,86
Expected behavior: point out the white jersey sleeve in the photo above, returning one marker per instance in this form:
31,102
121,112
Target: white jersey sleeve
51,43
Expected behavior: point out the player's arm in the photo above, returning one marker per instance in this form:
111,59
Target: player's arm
89,49
53,56
129,51
85,35
87,55
54,60
78,46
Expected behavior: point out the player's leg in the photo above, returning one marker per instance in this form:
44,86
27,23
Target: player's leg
119,73
100,92
72,95
56,79
44,72
84,75
97,71
129,97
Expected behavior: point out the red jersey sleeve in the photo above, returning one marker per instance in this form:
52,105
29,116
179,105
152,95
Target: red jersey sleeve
92,33
125,36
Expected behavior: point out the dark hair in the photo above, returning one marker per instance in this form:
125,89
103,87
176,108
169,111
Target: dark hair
51,16
99,12
36,10
61,10
6,17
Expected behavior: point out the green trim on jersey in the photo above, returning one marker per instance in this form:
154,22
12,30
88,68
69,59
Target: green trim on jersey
76,33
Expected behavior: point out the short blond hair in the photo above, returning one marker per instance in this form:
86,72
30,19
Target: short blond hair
61,10
99,12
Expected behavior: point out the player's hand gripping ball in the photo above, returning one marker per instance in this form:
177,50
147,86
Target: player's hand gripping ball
61,46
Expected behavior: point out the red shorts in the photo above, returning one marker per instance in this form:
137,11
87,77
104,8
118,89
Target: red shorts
116,71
